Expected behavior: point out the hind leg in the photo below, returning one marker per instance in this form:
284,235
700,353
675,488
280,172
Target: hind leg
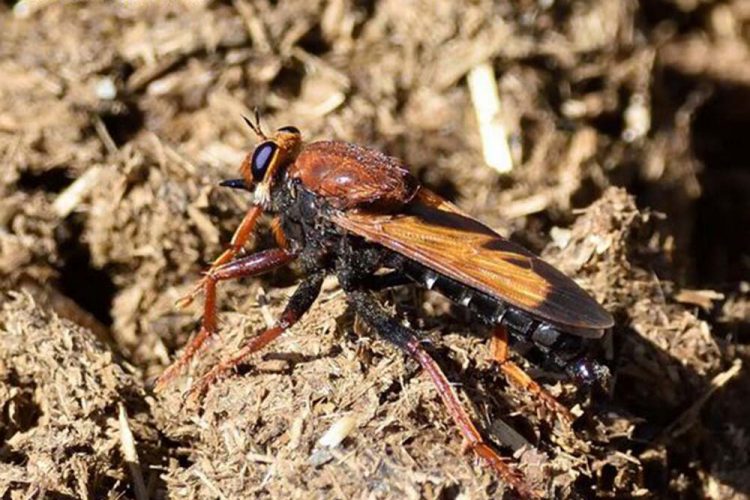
519,378
405,339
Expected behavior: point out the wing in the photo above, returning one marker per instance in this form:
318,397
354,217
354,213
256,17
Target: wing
438,234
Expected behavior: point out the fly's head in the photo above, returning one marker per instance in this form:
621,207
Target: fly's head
262,167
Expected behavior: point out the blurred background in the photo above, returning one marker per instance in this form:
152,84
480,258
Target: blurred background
607,135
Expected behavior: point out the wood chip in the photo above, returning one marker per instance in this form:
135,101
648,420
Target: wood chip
486,101
338,431
129,452
701,298
73,195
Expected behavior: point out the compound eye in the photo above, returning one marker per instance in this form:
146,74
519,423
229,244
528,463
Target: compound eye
290,130
262,158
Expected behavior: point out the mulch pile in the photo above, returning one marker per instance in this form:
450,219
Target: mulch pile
626,126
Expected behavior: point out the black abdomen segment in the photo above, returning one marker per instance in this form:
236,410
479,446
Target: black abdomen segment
522,326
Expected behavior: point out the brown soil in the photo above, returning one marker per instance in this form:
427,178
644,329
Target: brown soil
628,124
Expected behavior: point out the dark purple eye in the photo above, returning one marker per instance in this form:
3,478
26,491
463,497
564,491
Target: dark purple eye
262,158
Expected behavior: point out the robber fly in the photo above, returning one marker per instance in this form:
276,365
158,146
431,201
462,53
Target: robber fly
347,210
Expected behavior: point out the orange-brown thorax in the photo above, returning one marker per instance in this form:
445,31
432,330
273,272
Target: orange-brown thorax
350,176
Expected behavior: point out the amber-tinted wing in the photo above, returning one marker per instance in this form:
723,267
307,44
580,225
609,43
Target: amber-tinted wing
439,235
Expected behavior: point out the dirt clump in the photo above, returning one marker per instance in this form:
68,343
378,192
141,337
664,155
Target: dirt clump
62,396
623,123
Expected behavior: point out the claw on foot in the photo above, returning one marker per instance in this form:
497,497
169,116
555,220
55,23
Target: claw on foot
556,408
190,351
189,297
200,387
507,473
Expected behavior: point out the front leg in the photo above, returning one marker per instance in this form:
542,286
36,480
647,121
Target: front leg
252,265
239,239
406,339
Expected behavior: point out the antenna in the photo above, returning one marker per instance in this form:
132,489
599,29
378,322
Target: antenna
255,127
